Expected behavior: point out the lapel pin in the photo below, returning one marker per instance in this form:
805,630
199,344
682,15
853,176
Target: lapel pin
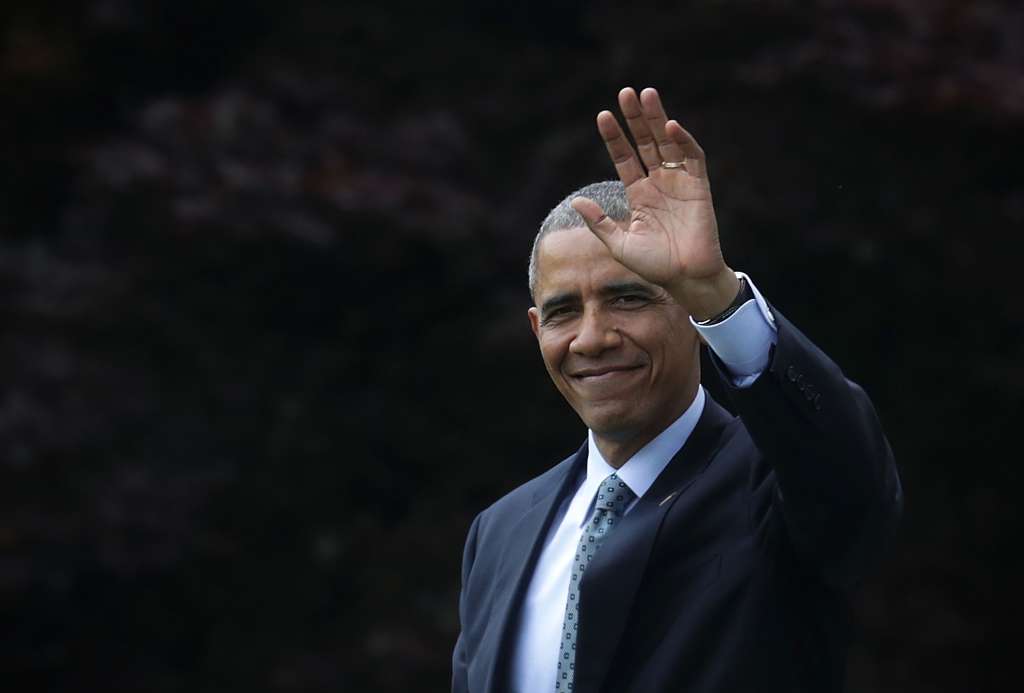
667,498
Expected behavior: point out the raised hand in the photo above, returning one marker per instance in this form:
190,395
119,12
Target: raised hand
672,236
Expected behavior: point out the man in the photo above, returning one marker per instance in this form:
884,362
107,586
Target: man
681,548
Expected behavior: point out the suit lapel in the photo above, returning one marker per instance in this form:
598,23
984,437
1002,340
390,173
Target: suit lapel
519,556
611,581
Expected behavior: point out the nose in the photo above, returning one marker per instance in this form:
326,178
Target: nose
596,334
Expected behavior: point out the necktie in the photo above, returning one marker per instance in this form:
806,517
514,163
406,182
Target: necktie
613,497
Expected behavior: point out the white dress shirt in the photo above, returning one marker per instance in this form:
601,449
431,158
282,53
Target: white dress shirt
742,342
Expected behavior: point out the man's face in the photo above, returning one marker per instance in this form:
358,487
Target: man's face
620,350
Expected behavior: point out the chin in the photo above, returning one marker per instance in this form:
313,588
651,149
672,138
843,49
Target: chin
613,423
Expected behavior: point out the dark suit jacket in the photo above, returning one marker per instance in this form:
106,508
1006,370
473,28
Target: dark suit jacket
733,572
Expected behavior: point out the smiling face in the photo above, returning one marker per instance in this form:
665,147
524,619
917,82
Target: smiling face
620,350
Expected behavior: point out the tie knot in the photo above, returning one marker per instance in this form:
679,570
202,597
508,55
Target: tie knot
613,495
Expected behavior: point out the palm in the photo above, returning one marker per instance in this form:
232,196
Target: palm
672,235
672,231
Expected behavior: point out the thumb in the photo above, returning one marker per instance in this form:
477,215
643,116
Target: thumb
603,226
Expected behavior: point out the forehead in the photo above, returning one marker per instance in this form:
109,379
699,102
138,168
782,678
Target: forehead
575,260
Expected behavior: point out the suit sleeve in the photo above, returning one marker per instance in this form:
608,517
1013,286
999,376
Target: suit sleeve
460,678
832,476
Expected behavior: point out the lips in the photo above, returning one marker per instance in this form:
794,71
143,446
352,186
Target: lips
602,372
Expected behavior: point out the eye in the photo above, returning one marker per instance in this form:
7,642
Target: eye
559,313
629,300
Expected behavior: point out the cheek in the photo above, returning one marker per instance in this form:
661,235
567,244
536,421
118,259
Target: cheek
670,341
553,350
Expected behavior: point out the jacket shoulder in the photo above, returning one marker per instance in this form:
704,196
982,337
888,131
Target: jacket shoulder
528,493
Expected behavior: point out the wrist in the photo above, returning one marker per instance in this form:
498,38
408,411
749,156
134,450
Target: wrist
711,298
745,294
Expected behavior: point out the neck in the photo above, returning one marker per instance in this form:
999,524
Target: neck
616,452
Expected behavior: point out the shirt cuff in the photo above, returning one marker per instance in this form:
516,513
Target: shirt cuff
743,341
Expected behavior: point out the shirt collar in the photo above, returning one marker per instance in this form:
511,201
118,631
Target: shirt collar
640,470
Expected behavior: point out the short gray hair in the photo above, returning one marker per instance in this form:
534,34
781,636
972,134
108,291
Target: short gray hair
610,194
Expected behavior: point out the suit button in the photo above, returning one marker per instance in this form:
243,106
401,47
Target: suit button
792,374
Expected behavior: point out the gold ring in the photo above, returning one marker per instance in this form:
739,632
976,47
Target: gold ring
673,164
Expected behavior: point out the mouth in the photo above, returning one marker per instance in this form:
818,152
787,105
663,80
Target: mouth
604,373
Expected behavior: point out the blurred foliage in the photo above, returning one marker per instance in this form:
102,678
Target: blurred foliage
262,276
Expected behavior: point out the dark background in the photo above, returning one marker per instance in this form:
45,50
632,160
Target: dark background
264,348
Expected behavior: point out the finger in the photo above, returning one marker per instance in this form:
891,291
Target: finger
654,114
619,149
603,226
638,126
695,163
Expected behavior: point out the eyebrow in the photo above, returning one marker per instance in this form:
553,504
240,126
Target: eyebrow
619,288
615,289
557,301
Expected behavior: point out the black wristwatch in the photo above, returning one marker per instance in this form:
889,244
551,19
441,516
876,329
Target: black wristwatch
742,296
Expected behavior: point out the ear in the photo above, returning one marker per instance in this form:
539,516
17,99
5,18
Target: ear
534,321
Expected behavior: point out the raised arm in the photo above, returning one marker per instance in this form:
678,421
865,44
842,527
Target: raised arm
832,480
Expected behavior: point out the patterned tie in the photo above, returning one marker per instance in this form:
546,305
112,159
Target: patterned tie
613,497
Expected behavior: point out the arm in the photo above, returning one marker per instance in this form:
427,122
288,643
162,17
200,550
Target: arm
836,483
835,480
460,679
